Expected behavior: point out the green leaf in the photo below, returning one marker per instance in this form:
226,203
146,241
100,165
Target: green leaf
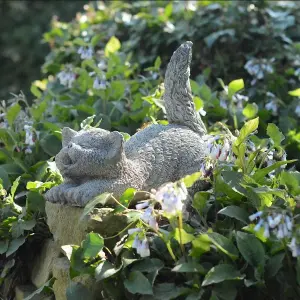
185,237
235,212
12,113
127,196
95,39
101,199
5,179
38,185
78,265
235,86
14,245
225,290
157,62
191,179
200,201
28,225
77,291
79,42
233,180
246,130
137,283
35,202
250,111
251,249
260,174
205,92
201,244
198,103
168,10
167,291
9,138
292,181
258,233
86,123
105,270
3,246
15,186
213,37
35,91
117,89
274,264
12,169
224,244
147,265
222,273
295,93
189,267
112,46
275,134
92,245
51,144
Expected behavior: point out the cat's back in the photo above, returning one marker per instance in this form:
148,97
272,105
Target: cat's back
165,152
160,138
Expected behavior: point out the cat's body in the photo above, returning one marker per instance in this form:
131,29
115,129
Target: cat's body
97,161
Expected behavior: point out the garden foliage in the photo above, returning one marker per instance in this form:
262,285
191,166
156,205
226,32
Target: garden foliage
106,69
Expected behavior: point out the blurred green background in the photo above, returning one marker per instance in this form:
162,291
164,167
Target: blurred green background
22,52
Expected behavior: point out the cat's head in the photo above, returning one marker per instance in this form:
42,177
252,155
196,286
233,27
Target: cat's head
90,153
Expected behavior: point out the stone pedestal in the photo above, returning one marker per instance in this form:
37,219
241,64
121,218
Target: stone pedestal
68,229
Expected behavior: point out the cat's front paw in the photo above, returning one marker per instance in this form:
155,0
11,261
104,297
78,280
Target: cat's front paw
80,195
57,193
53,194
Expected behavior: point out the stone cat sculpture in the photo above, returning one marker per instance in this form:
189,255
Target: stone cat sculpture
97,161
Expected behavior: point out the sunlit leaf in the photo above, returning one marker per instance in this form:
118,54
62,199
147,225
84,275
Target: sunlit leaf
222,273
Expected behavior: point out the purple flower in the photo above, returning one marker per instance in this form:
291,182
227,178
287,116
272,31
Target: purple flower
141,246
142,205
256,215
149,218
295,247
85,52
99,84
171,197
66,78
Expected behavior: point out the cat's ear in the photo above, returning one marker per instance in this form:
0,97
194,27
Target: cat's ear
116,140
67,135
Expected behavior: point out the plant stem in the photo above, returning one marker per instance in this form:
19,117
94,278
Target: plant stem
170,250
264,158
180,226
119,203
120,232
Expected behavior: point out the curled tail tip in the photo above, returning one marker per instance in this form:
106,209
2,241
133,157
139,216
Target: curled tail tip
188,43
184,50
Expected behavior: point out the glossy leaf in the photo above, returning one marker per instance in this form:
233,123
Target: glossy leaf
137,283
224,244
92,245
222,273
275,134
235,86
235,212
251,249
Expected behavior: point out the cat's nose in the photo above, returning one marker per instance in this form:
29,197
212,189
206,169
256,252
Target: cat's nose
70,145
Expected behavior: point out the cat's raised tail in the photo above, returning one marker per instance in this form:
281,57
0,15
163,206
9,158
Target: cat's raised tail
179,104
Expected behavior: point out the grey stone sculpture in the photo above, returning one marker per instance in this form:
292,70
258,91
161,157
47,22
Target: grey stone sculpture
95,161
